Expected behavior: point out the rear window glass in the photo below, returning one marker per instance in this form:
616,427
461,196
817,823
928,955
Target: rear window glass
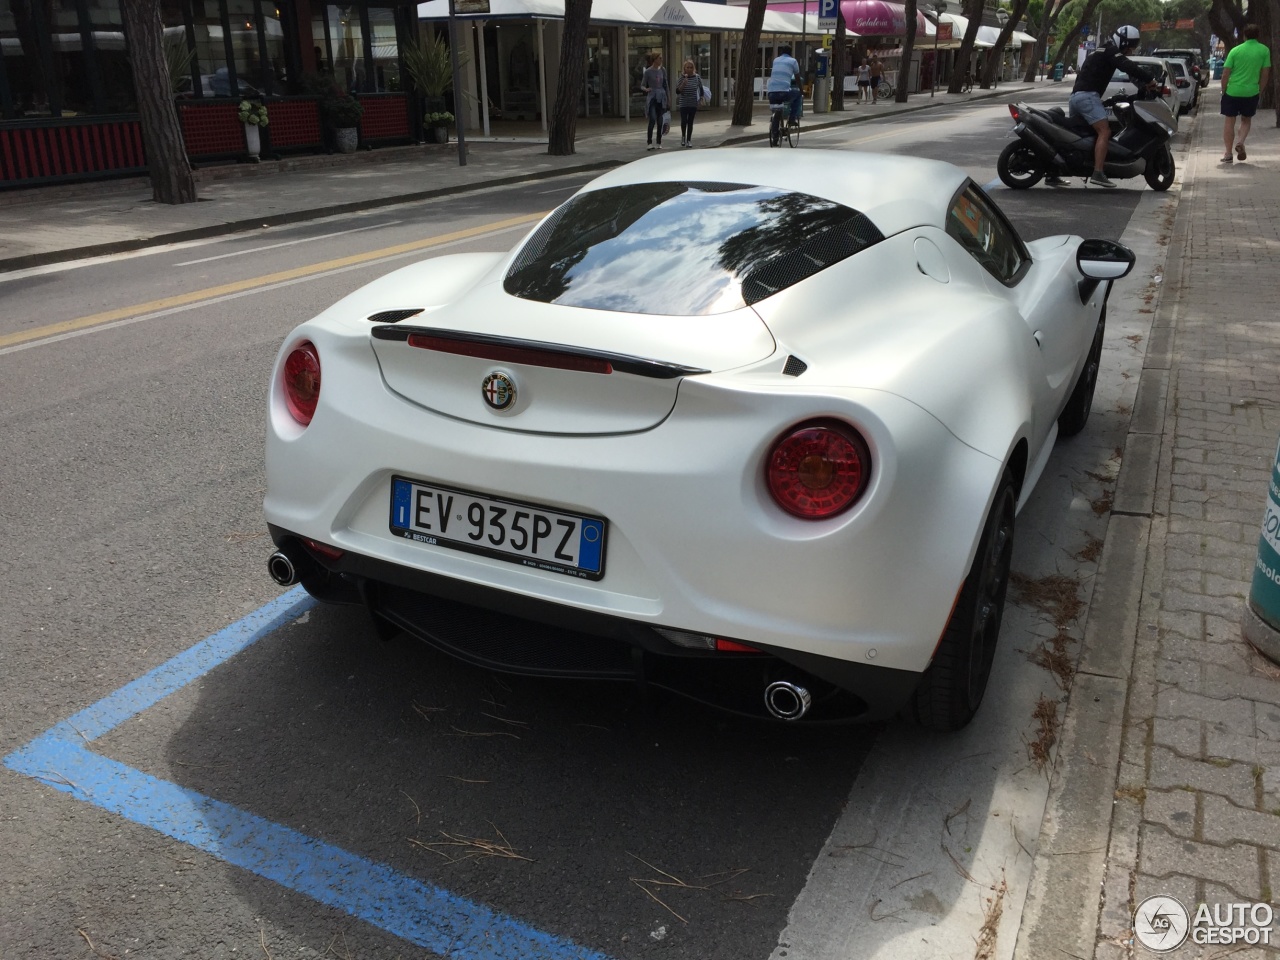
683,248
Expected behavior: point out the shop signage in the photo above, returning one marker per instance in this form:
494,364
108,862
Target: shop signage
878,18
463,7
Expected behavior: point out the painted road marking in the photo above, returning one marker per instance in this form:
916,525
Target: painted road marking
252,283
423,914
288,243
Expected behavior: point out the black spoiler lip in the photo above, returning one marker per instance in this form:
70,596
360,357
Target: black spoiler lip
640,366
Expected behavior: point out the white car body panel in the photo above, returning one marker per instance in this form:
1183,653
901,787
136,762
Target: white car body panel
942,369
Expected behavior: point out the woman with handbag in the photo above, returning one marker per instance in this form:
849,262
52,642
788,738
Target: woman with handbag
657,100
690,92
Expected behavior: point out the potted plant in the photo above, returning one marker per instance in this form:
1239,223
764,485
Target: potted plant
343,113
437,126
253,115
430,67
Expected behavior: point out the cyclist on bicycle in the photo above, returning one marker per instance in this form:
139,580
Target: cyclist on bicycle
784,82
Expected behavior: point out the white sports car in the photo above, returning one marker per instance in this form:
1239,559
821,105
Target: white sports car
747,426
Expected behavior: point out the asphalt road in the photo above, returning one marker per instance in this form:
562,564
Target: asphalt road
130,499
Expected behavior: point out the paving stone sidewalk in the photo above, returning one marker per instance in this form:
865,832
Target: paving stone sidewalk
1197,803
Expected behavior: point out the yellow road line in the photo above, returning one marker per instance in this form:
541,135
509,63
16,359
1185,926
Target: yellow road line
239,286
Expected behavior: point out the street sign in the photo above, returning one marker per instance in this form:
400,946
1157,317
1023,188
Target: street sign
1084,31
827,41
827,14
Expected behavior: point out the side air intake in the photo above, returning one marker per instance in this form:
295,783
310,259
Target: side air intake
393,316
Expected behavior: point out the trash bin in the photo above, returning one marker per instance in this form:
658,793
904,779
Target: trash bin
1261,624
1057,73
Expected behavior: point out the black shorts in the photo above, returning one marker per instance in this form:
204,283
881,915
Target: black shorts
1239,106
875,81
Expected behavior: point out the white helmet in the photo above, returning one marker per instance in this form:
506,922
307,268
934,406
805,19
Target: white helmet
1126,36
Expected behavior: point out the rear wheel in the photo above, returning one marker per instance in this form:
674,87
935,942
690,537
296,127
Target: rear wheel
1019,167
775,128
951,689
1159,172
1076,413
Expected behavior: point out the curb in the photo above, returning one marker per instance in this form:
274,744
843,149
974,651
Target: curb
297,216
11,264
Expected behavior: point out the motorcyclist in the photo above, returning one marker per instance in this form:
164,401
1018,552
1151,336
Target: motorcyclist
784,82
1091,82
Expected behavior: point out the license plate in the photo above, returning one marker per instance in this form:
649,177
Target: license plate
507,529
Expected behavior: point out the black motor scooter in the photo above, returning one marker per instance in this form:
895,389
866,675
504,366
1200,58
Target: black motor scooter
1051,143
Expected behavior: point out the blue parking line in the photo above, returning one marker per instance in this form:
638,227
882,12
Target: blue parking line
418,912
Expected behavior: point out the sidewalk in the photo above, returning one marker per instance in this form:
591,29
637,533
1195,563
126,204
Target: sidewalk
52,224
1194,775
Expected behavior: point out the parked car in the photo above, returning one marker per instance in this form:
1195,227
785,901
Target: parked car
1121,85
1199,65
1185,86
663,434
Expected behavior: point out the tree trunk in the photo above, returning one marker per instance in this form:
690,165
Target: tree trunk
1069,42
972,10
995,56
563,122
838,62
171,179
744,78
1274,44
1227,19
908,47
1264,13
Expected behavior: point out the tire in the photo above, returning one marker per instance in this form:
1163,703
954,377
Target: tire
1076,413
774,138
1019,167
1160,170
951,689
793,134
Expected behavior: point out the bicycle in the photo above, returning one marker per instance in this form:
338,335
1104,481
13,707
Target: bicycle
781,127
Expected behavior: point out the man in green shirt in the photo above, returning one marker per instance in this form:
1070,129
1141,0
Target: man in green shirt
1246,72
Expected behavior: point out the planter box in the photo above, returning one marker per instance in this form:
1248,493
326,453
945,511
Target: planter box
437,134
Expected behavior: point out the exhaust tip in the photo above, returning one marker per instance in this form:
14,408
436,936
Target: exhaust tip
281,569
786,701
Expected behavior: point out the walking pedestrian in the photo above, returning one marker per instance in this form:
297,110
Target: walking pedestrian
1246,72
877,74
689,93
657,97
864,82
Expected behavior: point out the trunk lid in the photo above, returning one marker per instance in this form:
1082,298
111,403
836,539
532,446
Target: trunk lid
515,364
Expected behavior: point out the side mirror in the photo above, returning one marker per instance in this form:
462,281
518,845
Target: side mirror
1104,259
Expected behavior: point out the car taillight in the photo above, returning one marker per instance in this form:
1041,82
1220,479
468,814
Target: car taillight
818,469
1164,91
301,377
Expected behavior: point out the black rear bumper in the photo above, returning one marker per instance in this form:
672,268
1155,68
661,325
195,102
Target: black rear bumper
508,633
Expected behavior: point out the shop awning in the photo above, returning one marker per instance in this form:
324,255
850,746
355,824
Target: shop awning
879,18
685,14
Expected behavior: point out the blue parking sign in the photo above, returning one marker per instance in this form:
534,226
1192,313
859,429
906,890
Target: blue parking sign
827,14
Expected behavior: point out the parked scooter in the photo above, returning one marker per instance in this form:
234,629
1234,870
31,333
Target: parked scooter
1051,143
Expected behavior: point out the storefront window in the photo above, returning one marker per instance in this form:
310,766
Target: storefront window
641,43
386,50
211,49
343,49
63,58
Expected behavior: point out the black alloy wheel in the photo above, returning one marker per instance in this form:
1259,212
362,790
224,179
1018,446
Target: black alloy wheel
1019,167
1076,413
952,687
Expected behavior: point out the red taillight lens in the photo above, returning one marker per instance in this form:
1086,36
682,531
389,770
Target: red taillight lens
302,381
1013,110
326,551
1164,91
818,470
